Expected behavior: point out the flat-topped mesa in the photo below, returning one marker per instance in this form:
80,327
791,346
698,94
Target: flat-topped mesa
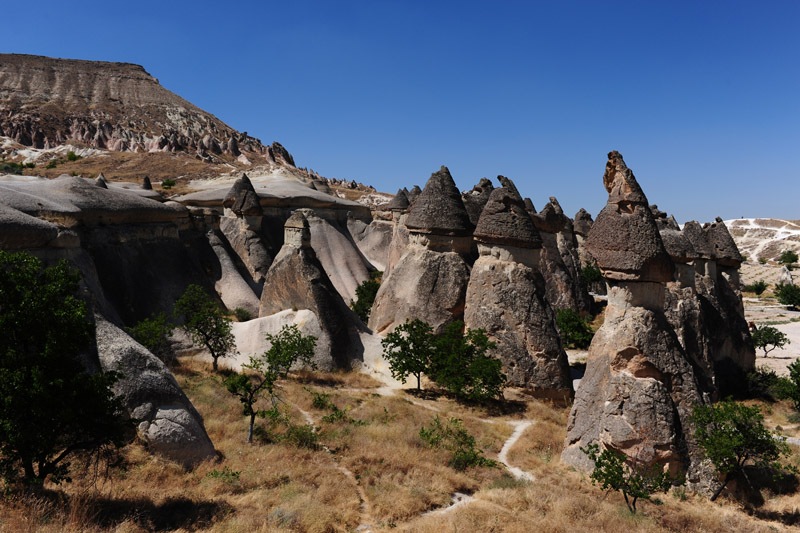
437,218
506,297
624,239
475,200
640,386
242,198
505,229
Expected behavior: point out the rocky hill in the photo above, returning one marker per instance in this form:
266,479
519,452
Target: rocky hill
765,238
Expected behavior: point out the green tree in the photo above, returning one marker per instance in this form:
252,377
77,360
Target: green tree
460,363
788,294
72,156
732,436
51,409
409,350
153,333
206,323
455,438
365,295
787,257
573,329
768,338
287,347
613,470
789,388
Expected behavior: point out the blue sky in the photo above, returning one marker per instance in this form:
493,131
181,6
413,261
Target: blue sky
701,98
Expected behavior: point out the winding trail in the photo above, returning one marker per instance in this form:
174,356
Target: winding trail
519,428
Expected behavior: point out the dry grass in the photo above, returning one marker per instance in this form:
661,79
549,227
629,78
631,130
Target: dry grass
373,469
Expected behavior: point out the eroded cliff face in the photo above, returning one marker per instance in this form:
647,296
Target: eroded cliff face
46,102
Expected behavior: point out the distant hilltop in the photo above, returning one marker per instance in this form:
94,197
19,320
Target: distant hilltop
47,102
765,238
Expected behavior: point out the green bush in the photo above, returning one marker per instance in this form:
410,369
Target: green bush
455,438
167,184
302,436
765,384
52,163
206,323
789,388
226,475
768,338
613,470
365,295
787,257
575,331
72,156
762,260
591,274
757,287
153,333
732,436
242,314
788,294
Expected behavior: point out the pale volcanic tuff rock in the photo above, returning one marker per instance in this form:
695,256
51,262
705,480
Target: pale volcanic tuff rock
476,199
640,387
296,280
429,281
169,425
506,297
560,264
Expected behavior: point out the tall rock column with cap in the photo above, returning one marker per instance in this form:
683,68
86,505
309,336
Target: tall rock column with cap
639,388
506,298
297,280
429,282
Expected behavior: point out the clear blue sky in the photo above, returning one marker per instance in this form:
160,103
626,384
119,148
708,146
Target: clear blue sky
702,98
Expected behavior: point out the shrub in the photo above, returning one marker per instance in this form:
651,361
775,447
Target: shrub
226,475
303,436
762,260
52,163
575,331
51,409
732,436
757,287
788,294
365,295
153,333
613,470
789,389
787,257
768,338
764,383
167,184
591,274
455,438
205,323
72,156
242,314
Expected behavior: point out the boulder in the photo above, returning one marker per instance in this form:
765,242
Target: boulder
169,424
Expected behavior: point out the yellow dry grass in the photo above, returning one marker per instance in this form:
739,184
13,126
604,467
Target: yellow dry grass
372,470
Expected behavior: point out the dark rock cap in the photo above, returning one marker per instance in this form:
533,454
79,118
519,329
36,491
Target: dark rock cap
504,220
242,198
475,200
678,246
552,218
398,203
583,222
413,193
146,185
439,209
624,239
101,182
529,206
724,248
698,239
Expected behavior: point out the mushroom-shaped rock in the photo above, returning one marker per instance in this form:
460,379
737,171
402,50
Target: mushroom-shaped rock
624,238
678,246
476,199
583,223
552,218
242,199
698,239
146,185
439,209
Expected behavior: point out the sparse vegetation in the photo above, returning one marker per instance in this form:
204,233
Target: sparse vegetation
613,470
762,260
757,287
788,294
205,322
732,435
262,373
153,333
167,184
51,409
788,258
242,314
365,295
768,338
455,438
592,276
72,156
575,331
